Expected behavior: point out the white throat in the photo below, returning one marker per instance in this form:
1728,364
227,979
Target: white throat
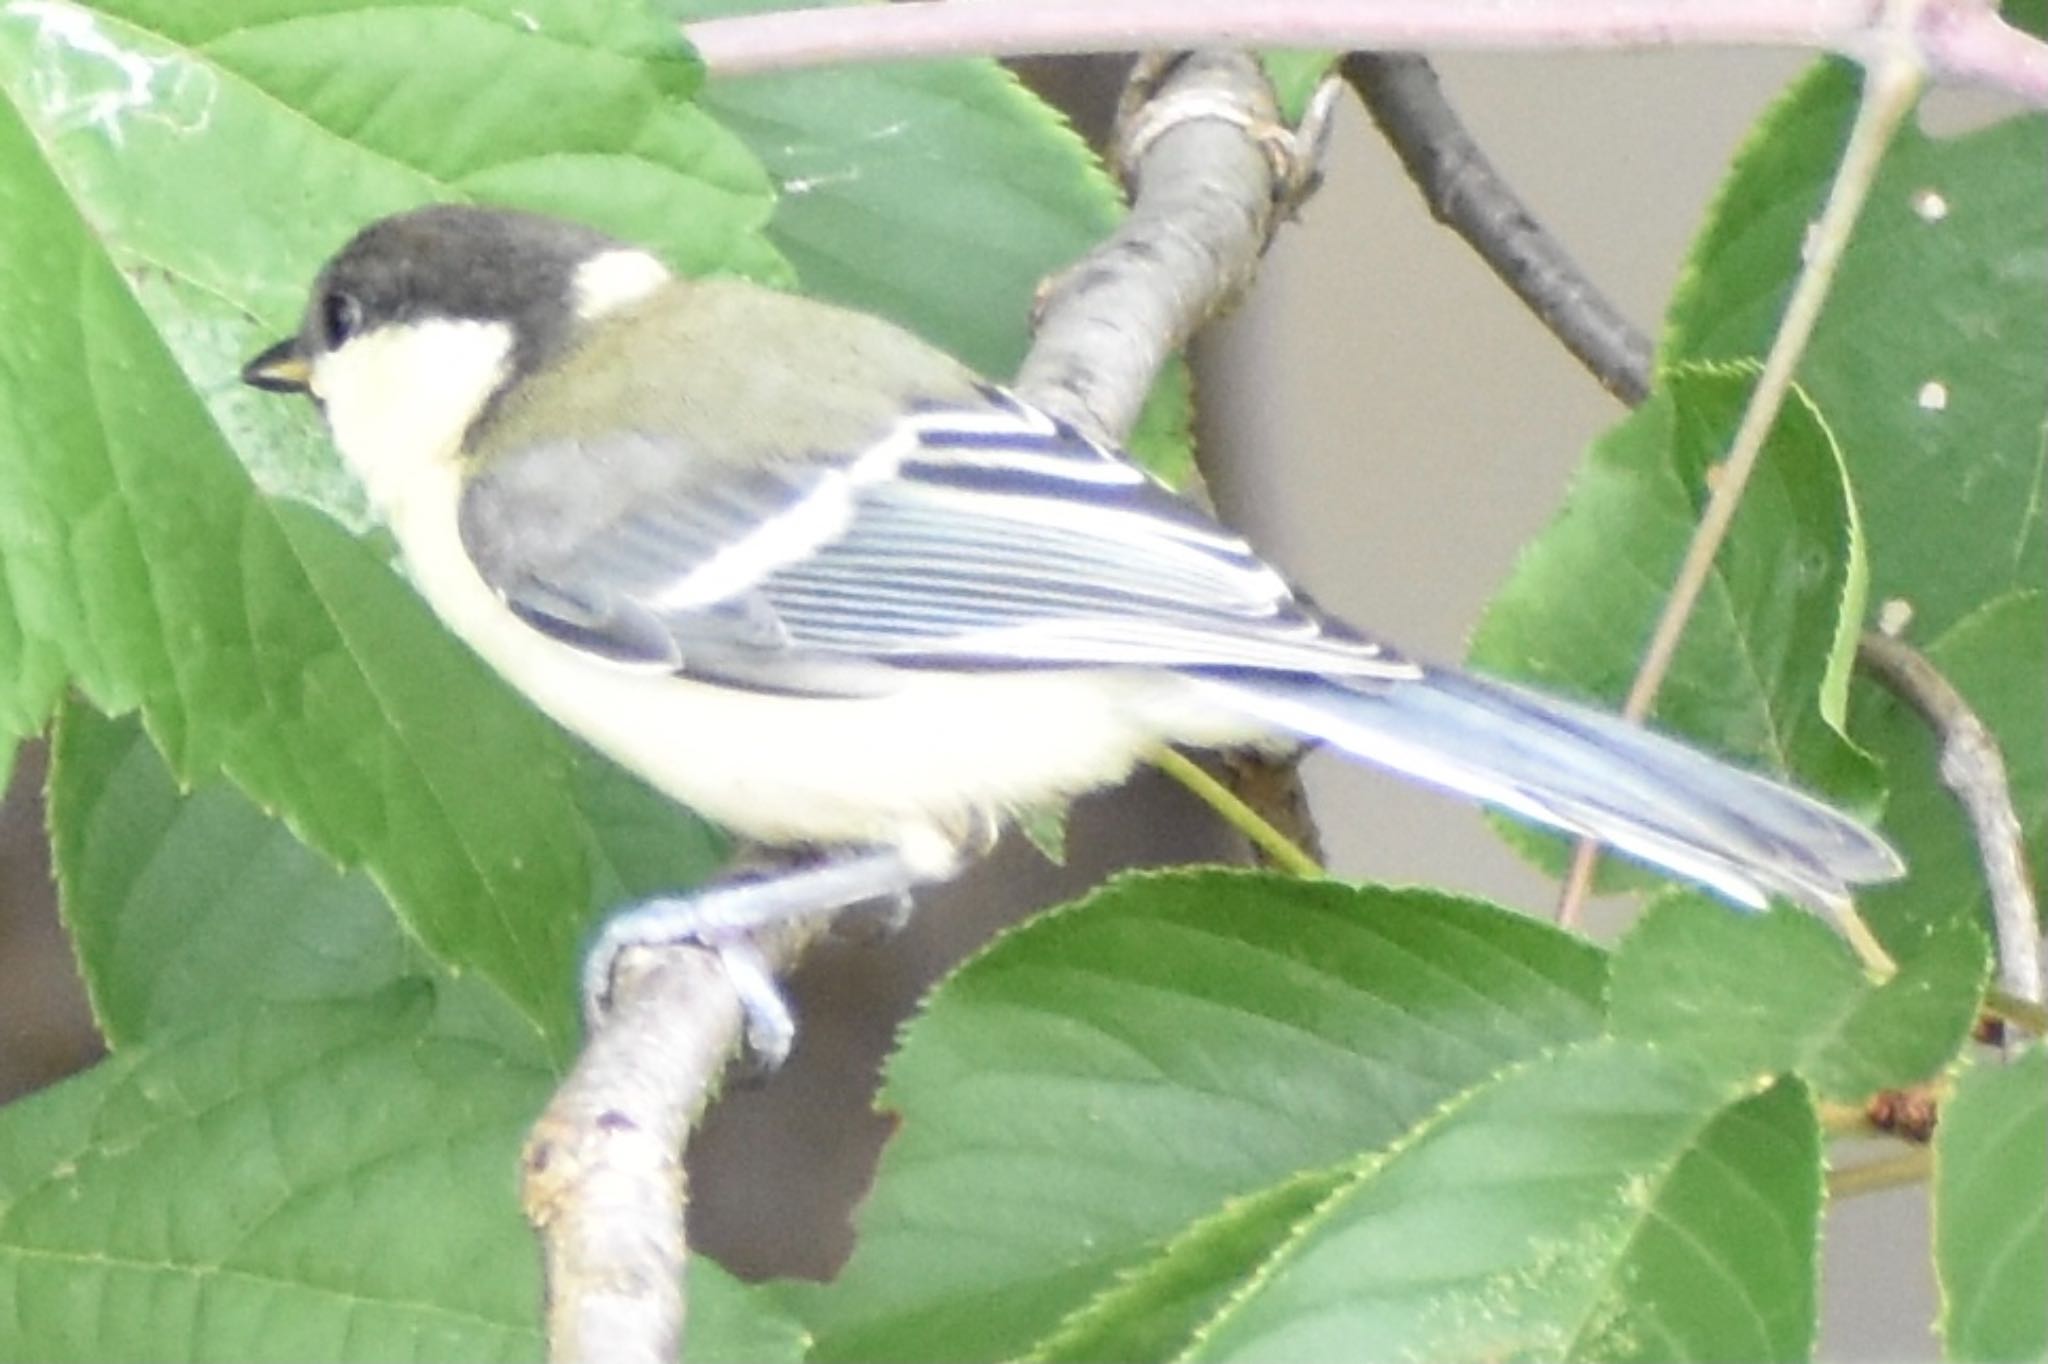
400,398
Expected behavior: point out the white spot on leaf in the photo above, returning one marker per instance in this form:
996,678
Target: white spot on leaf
1933,396
804,184
1930,205
81,77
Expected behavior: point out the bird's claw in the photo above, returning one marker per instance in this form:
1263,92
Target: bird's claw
768,1025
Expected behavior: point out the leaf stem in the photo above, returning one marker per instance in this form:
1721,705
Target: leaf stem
1864,943
1236,813
2013,1009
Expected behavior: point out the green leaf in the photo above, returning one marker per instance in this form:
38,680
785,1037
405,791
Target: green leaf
233,1194
1600,1203
1991,1210
1723,1263
190,906
1997,657
310,1182
1046,827
1762,672
1155,1310
736,1323
1112,1072
1295,74
143,110
139,555
939,194
1945,283
1744,996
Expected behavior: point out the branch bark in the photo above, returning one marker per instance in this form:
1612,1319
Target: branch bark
1209,167
1954,40
1466,194
1974,769
1211,170
602,1178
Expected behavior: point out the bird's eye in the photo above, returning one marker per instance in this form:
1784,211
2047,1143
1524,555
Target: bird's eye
340,315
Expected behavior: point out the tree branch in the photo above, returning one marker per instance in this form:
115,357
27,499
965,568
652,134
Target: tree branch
1974,769
602,1176
1465,193
1209,167
1956,40
1211,170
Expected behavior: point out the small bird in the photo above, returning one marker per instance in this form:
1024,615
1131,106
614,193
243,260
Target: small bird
819,582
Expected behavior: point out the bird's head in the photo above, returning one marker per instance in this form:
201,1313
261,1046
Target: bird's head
425,319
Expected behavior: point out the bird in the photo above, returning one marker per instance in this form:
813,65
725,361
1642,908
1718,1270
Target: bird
821,583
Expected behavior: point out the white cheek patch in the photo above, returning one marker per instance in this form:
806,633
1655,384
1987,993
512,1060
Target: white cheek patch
608,282
402,396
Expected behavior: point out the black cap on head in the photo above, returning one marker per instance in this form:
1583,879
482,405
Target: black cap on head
449,261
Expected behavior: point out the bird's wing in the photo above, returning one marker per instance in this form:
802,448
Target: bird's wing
968,538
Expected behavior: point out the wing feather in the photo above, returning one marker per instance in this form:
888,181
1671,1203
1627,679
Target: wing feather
970,537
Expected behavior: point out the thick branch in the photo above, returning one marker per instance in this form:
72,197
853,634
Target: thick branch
1211,171
1466,194
604,1180
1194,135
1961,40
1974,769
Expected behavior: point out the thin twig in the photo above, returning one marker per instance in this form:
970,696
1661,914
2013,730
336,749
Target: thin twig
1961,40
1466,194
1973,768
1890,87
1911,1166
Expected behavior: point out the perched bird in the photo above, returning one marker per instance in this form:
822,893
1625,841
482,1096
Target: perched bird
821,583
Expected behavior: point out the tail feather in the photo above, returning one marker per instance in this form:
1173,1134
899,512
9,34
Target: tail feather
1587,773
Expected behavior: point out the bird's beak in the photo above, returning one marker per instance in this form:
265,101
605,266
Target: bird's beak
281,368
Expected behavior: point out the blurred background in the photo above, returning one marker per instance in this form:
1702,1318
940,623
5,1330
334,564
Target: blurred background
1389,426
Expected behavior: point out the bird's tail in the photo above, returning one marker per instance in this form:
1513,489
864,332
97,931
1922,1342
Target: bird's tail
1587,773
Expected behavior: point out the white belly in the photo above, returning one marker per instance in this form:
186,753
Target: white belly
916,768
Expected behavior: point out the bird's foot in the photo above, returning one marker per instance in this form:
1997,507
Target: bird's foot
728,921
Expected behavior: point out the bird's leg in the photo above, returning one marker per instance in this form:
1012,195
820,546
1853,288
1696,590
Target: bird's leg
726,917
